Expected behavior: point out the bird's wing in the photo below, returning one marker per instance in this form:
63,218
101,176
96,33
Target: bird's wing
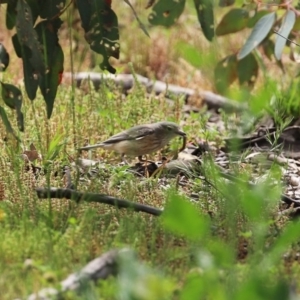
135,133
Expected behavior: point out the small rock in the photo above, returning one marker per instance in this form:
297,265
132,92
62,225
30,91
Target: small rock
294,181
279,159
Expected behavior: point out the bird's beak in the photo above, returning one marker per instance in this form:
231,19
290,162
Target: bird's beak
181,133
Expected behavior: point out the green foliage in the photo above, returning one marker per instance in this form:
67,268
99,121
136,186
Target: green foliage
224,3
28,37
205,13
54,60
6,123
12,97
225,73
49,9
100,24
181,217
258,15
284,31
259,32
262,27
190,53
192,251
137,281
234,21
36,41
55,148
166,12
247,70
4,58
37,44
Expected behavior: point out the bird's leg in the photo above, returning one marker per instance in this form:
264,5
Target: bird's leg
124,159
146,167
144,160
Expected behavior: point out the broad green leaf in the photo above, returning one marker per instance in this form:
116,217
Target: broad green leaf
85,11
30,75
4,58
252,21
47,36
284,31
224,3
28,37
11,14
225,73
259,32
181,217
20,120
50,81
247,69
101,30
205,15
12,97
268,48
50,9
35,9
235,20
17,45
6,123
54,60
166,12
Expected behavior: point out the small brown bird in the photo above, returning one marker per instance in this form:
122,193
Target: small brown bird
140,140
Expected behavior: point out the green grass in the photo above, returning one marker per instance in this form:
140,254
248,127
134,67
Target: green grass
43,241
231,243
181,254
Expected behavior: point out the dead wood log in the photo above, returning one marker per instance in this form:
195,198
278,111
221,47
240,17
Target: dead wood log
126,81
44,193
99,268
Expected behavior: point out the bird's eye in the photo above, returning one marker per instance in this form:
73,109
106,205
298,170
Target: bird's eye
169,128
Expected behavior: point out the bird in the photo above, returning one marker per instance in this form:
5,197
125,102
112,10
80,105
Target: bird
141,139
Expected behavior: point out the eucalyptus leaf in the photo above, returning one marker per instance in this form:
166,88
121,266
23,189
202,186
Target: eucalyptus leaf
259,32
11,14
4,58
225,73
235,20
284,31
7,124
100,24
205,13
166,12
12,97
247,70
224,3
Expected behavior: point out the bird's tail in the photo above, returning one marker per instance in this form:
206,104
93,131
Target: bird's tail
92,147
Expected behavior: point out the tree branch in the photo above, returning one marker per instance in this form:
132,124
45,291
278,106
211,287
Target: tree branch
44,193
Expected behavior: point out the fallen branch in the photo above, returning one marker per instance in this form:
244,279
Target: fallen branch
126,81
100,268
44,193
